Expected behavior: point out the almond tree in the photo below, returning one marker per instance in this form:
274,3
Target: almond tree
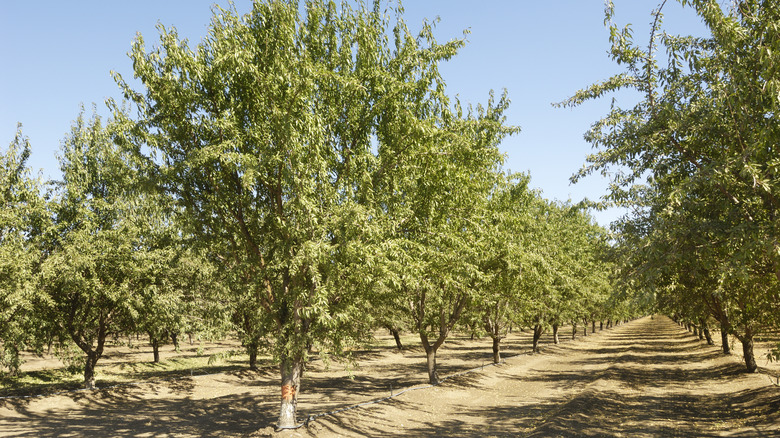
701,143
503,255
90,249
22,216
439,201
111,258
272,134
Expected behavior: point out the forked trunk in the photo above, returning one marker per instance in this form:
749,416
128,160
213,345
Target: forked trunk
291,370
555,334
92,354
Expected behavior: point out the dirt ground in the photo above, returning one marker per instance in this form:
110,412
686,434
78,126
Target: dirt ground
645,378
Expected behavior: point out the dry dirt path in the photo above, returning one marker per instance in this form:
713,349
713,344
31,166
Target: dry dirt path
645,378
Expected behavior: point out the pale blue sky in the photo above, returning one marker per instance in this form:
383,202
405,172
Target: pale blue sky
57,55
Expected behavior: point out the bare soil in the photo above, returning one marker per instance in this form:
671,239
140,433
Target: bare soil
645,378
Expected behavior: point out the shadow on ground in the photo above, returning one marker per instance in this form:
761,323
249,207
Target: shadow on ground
657,382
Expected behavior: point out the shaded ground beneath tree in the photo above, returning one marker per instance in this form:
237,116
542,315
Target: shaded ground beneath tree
645,378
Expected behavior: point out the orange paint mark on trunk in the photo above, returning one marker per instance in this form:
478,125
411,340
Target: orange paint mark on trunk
288,392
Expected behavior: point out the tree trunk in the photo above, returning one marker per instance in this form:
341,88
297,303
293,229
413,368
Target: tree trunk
593,328
555,334
537,336
695,331
496,349
708,336
445,324
155,347
397,337
89,370
701,333
175,340
705,331
291,370
93,355
747,351
433,373
601,325
253,359
724,337
573,331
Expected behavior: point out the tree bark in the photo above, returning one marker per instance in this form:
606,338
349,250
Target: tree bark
253,358
724,337
708,336
397,337
537,335
496,349
155,342
89,370
747,352
291,370
555,334
433,373
93,355
446,322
